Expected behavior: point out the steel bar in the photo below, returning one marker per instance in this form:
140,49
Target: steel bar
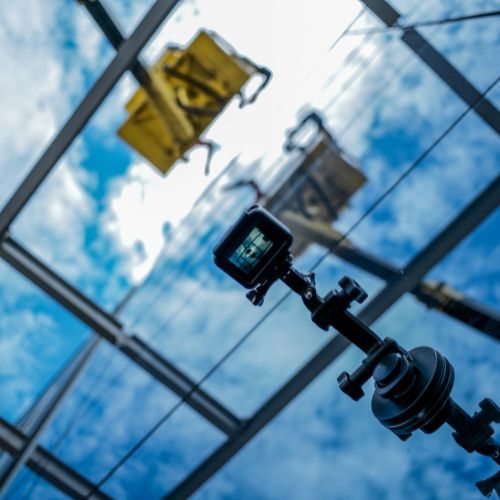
457,82
30,419
48,466
447,300
416,269
111,31
435,251
21,456
435,295
106,326
125,56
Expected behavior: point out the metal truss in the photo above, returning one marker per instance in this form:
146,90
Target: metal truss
104,324
24,447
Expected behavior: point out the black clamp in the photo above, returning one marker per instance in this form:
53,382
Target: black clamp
337,301
314,117
477,435
351,384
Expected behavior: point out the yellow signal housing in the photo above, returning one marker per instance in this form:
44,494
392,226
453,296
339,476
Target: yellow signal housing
187,89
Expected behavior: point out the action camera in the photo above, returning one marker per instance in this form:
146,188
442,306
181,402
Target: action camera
253,246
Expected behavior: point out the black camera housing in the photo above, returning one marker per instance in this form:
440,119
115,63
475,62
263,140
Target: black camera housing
252,247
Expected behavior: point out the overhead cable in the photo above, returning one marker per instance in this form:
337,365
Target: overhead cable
422,24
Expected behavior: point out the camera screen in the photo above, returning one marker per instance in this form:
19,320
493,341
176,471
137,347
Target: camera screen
251,251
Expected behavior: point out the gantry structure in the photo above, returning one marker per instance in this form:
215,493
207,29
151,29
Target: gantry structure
21,441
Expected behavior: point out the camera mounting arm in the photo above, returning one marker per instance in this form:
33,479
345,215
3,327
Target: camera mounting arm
412,388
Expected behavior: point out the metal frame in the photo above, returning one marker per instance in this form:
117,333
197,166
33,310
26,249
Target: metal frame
40,415
22,455
106,326
24,448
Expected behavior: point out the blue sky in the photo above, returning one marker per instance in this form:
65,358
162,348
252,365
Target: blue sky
100,221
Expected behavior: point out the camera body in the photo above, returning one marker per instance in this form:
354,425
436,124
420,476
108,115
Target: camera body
252,247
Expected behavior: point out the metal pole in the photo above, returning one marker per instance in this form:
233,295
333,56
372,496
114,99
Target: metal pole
445,241
23,454
125,56
435,251
457,82
47,466
111,31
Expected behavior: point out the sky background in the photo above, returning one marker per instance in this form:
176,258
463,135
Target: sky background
106,221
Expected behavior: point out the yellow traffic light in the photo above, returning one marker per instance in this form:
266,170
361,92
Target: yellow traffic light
187,89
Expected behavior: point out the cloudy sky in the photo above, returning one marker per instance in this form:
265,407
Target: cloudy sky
106,221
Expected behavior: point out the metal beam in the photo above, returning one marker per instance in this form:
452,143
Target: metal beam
443,298
38,409
48,466
106,326
455,80
436,250
32,416
323,234
125,56
111,31
436,295
469,218
21,457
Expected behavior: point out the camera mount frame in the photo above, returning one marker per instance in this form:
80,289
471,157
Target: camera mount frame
412,388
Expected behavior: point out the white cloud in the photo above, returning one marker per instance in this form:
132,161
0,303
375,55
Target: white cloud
37,90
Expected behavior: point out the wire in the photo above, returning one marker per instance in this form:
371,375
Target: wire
368,211
421,24
184,229
364,65
392,78
380,92
349,26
